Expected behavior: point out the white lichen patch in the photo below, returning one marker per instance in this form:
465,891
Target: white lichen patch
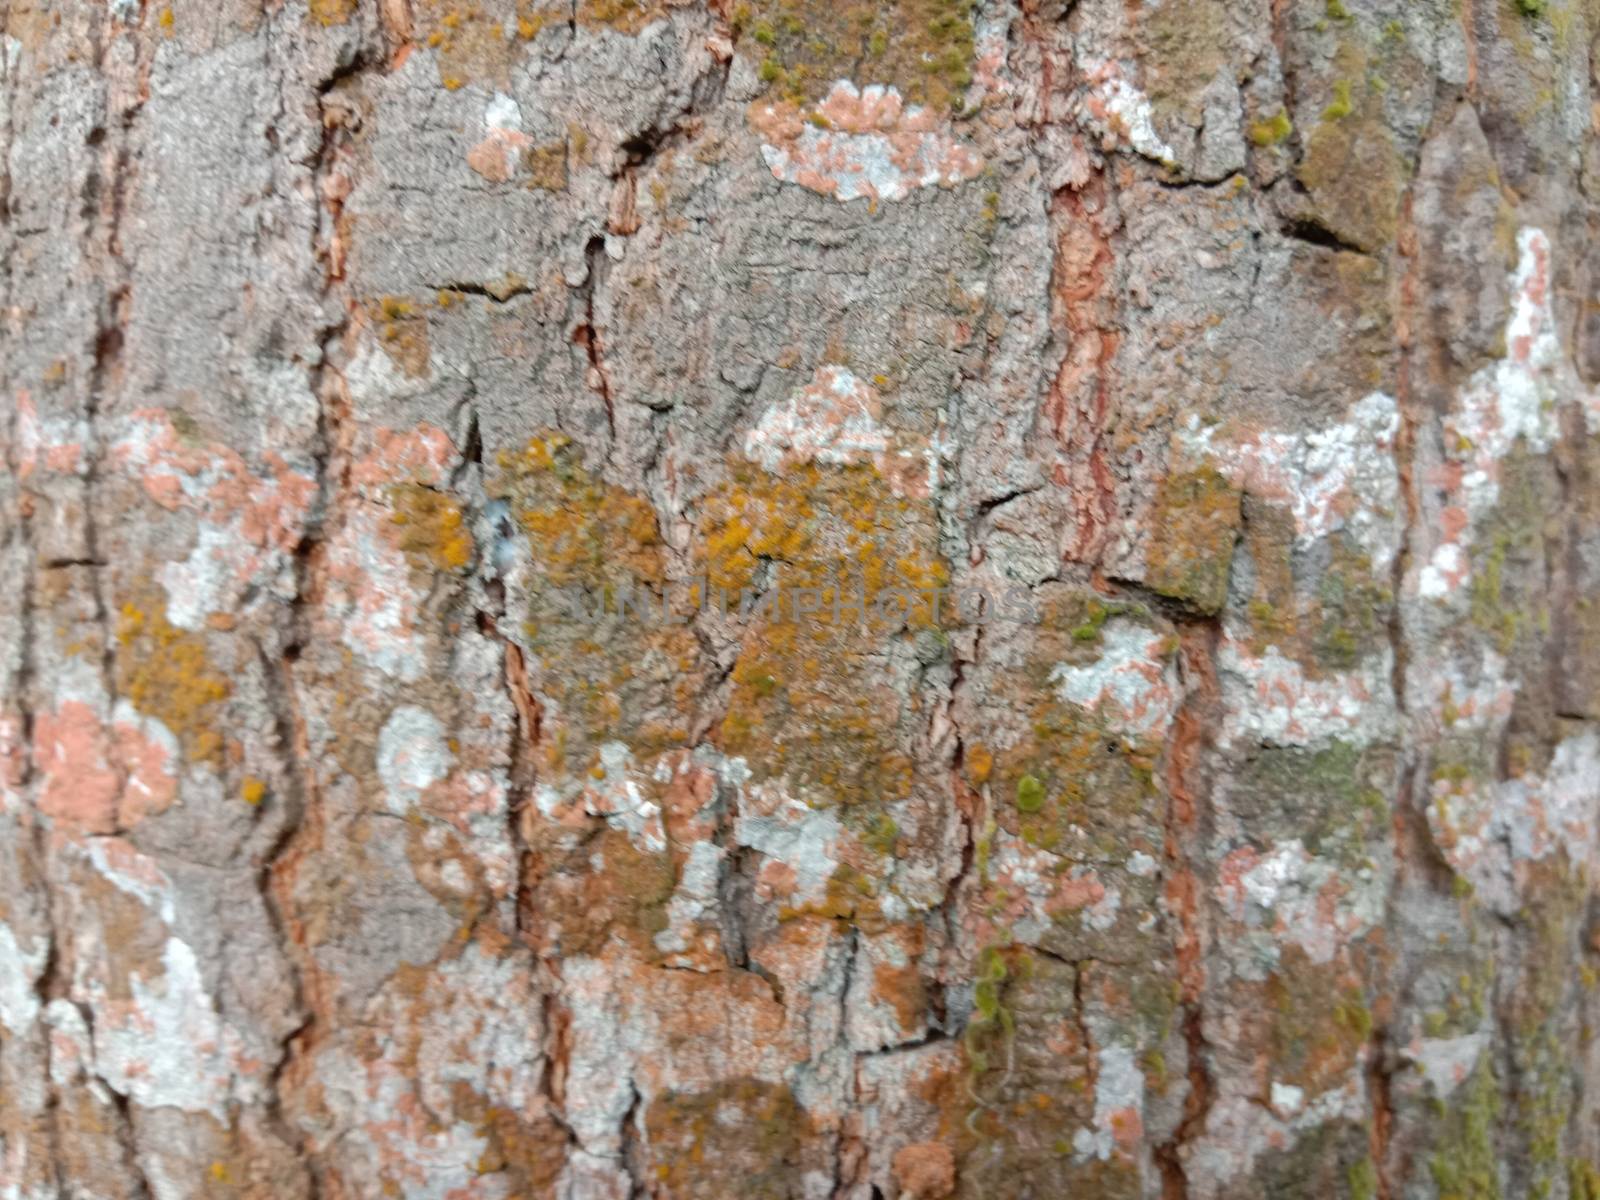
475,1032
692,900
833,419
1510,401
413,755
802,841
138,875
20,968
1345,477
495,156
1446,1063
1274,700
1121,111
248,523
370,599
1133,684
617,796
167,1045
1288,895
861,143
1489,831
1240,1129
1118,1105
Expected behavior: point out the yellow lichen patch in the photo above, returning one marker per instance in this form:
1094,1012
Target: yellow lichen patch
546,166
925,48
402,329
165,671
603,674
475,45
583,531
813,699
625,16
332,12
253,791
1193,527
430,528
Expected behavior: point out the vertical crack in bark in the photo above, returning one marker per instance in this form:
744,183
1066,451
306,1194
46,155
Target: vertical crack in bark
587,335
1195,716
305,828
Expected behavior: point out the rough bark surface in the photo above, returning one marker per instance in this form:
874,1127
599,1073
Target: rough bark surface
1251,348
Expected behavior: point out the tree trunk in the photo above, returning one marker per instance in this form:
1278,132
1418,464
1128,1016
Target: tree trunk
800,599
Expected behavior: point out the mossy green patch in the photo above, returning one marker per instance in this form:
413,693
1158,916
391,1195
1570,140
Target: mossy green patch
1270,131
1465,1164
925,48
1339,106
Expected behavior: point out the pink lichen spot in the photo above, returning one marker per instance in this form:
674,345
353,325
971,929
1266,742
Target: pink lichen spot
1031,888
79,785
422,455
55,444
248,525
1132,685
495,157
97,779
147,751
861,143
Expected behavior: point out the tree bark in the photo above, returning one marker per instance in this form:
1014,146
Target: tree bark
800,599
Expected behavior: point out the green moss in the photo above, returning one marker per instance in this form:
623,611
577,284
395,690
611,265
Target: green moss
1030,794
1465,1164
1532,8
1363,1179
1337,10
1583,1180
1340,106
925,48
1272,130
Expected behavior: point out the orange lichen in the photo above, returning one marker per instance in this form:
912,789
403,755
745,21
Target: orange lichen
431,530
166,672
